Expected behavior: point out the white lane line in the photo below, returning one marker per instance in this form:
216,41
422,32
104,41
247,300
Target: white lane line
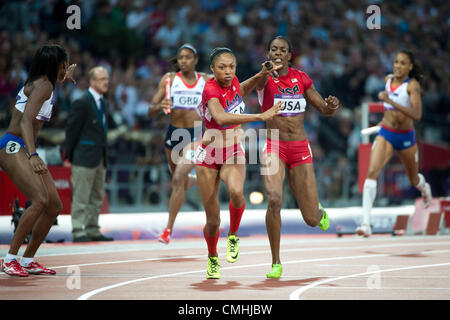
388,288
295,295
196,245
89,294
376,246
256,252
99,290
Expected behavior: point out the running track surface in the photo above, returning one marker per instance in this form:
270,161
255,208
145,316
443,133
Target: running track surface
315,267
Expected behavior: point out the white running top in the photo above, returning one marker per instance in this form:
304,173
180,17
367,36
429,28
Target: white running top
46,110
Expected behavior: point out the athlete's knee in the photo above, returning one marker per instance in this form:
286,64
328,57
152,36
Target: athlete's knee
236,194
178,180
274,201
313,220
213,221
39,202
313,217
54,208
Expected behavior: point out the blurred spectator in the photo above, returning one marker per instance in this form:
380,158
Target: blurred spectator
168,38
126,96
137,18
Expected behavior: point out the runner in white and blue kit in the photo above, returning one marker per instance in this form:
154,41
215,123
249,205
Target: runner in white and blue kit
402,106
22,164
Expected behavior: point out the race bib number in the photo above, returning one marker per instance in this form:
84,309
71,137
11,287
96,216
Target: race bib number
292,104
12,147
200,154
186,99
190,155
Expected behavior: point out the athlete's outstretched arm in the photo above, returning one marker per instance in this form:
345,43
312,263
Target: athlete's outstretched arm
258,80
326,107
159,102
224,118
415,112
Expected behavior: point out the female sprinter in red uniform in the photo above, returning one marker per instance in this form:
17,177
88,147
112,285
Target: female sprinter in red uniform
287,145
22,164
220,155
186,93
402,106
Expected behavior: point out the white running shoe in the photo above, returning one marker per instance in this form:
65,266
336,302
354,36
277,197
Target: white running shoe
364,230
426,195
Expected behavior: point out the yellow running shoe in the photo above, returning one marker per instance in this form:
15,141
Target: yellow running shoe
325,221
213,268
232,249
277,269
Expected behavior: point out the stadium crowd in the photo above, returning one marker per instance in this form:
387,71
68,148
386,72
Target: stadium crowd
134,40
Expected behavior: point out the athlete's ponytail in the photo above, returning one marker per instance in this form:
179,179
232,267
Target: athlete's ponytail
416,71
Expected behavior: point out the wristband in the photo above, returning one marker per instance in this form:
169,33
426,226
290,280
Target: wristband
34,154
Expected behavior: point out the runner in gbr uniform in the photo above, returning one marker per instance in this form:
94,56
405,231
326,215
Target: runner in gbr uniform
287,145
22,164
402,106
220,155
186,93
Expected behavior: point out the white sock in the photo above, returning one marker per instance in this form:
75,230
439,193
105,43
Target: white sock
421,185
369,193
25,262
10,257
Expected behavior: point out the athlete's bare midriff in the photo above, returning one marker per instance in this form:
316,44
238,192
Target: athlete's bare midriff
396,120
289,128
184,118
223,138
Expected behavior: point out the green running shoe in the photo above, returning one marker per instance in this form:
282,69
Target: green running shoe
277,269
232,249
213,268
325,221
